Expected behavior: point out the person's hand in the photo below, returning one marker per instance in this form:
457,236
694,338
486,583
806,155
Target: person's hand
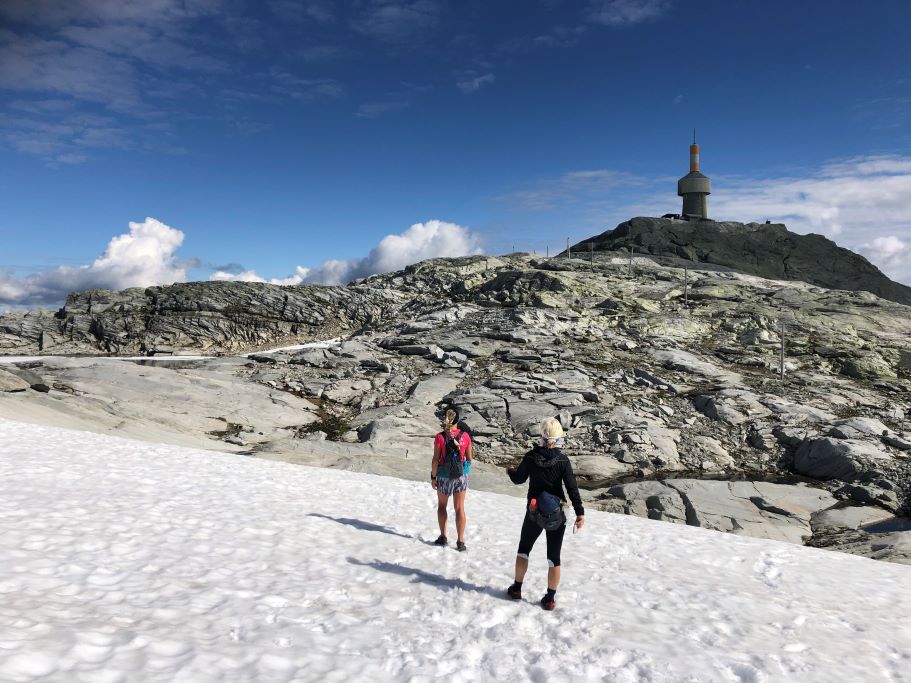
433,484
580,521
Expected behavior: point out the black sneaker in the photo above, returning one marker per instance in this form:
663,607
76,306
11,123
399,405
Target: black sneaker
441,540
515,592
461,547
548,603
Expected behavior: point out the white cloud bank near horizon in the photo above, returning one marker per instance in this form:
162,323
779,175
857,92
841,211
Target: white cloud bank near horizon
146,255
431,239
863,204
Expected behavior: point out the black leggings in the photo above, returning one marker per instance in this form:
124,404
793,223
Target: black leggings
530,533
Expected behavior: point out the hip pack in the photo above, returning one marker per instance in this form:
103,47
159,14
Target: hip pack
548,512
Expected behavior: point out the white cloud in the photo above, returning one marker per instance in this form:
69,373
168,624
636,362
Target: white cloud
622,12
474,84
252,276
143,257
891,255
860,202
432,239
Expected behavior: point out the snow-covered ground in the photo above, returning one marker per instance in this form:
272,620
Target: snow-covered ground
128,561
298,347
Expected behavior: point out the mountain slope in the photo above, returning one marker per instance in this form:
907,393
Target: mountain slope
768,250
121,560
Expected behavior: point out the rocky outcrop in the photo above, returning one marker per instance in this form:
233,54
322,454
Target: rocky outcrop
195,317
765,510
768,250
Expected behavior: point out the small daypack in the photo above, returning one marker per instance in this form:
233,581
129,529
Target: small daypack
453,463
549,512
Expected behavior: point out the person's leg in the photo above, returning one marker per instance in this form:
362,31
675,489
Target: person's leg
530,533
442,502
458,502
554,545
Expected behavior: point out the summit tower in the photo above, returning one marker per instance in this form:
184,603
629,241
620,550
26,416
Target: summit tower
694,187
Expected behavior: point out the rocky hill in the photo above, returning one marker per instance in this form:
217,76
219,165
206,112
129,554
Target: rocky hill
768,250
207,317
673,400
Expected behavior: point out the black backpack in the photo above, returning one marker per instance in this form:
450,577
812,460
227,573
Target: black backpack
453,465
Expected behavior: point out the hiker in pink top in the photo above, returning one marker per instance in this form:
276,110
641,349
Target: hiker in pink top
449,475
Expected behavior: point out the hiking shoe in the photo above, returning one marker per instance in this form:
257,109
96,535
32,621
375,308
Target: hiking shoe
441,540
515,592
548,603
461,547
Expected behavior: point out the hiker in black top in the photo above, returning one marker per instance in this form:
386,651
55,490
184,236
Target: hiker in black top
547,471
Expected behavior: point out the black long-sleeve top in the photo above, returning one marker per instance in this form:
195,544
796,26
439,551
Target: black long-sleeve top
548,469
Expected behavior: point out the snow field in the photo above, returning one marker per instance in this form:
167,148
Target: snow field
126,561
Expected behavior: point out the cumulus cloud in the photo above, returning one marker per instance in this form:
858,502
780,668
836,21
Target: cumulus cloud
144,256
252,276
432,239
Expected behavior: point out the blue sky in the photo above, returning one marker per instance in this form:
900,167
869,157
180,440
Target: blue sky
302,140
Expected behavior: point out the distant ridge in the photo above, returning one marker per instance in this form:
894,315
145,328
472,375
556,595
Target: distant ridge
767,250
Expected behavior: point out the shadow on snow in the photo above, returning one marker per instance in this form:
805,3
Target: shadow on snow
421,576
360,524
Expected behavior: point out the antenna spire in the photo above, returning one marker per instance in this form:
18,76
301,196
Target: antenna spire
694,136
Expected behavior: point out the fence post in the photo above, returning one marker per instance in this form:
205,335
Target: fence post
781,347
686,277
569,253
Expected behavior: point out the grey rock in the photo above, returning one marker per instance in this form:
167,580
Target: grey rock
35,381
897,442
347,391
431,391
851,517
526,416
10,382
846,459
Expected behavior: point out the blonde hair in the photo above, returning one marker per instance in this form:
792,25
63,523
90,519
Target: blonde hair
449,421
551,429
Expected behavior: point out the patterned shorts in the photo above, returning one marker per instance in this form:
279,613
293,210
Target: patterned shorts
449,486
